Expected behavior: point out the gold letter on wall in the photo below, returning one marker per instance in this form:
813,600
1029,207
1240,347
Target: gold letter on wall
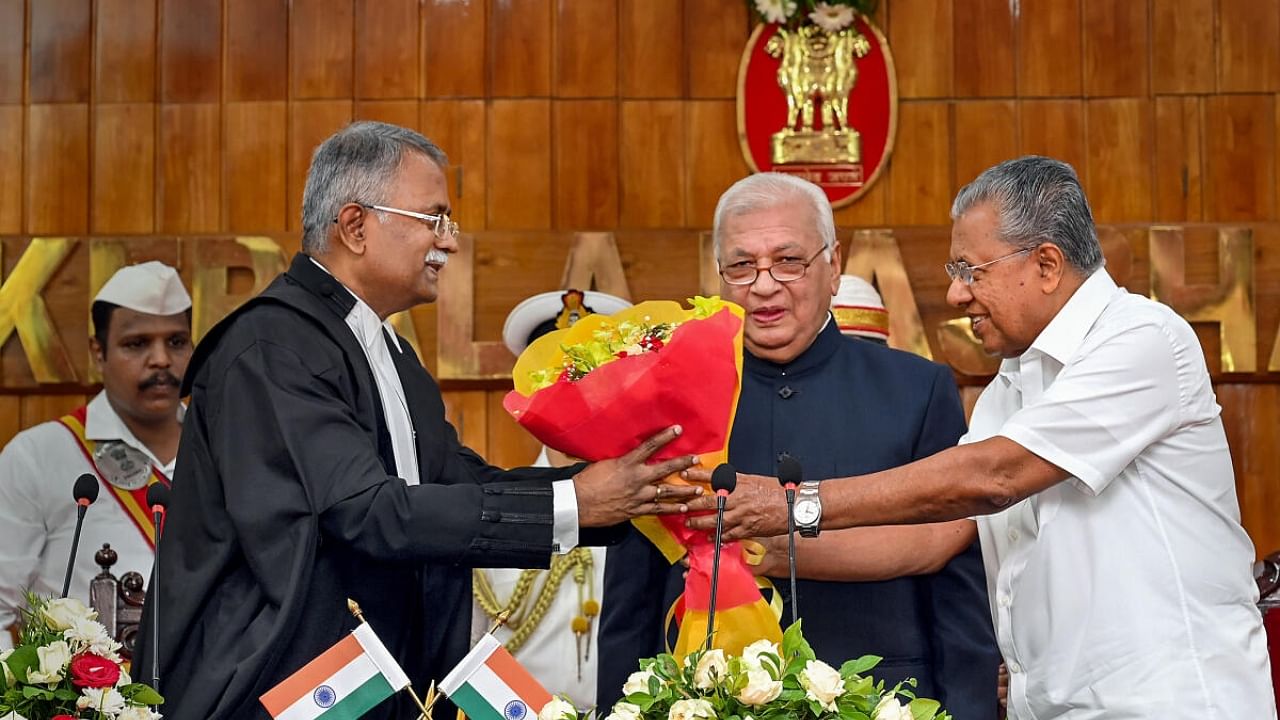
593,257
874,256
22,308
211,294
459,356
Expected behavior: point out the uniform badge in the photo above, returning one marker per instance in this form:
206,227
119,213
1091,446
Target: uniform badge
121,465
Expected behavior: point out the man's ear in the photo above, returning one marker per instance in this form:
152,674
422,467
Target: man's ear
99,352
350,227
1051,264
837,268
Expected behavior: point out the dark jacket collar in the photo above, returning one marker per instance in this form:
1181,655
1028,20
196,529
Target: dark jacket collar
304,271
813,357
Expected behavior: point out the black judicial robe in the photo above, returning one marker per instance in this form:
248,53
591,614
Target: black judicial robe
285,503
849,407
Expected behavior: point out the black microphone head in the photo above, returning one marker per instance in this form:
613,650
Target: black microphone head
85,489
724,477
789,471
158,494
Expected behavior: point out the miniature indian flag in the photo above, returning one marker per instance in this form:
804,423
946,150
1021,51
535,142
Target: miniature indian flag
490,685
342,684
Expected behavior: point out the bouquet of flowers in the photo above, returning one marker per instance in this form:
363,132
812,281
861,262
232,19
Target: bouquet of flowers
830,15
66,667
765,682
598,388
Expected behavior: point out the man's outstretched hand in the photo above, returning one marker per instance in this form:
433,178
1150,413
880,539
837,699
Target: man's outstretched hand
756,508
613,491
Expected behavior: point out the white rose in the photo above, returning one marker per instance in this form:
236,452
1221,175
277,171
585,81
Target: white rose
822,683
557,709
712,669
108,701
138,712
637,682
761,688
8,674
124,678
890,709
691,710
63,612
751,654
53,660
624,711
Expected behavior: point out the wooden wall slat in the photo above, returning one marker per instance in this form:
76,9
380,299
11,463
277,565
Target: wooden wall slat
1248,45
124,66
13,50
1251,416
386,56
459,126
453,48
310,122
586,52
397,112
190,50
920,178
1117,46
254,162
1179,160
716,32
11,176
714,160
921,37
124,168
1054,128
870,210
189,183
520,39
508,443
468,411
1118,140
984,57
10,417
57,169
321,48
1049,48
1240,157
651,48
519,165
986,133
35,409
61,46
1182,36
257,62
652,164
586,164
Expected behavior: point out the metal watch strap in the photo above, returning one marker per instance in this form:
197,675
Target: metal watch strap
807,492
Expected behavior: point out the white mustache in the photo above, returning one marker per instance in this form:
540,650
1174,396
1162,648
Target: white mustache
437,256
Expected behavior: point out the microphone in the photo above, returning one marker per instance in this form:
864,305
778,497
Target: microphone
158,500
790,475
723,480
85,491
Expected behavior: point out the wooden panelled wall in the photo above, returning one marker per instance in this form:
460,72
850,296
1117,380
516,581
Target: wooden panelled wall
191,117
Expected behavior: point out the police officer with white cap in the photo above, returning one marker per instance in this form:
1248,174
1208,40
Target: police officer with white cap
127,436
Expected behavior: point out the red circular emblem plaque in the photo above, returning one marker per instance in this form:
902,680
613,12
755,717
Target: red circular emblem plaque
820,105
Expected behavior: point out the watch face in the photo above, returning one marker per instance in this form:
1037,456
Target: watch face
807,512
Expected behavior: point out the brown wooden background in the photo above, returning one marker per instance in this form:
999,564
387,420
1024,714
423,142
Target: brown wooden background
197,117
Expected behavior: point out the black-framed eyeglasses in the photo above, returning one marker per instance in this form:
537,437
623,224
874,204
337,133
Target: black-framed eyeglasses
963,271
442,225
745,273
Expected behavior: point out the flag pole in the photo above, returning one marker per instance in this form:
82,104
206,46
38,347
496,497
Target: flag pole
354,607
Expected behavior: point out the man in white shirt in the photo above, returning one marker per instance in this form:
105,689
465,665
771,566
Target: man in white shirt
1118,571
127,436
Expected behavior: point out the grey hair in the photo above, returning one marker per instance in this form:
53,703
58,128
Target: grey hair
1037,199
762,191
356,164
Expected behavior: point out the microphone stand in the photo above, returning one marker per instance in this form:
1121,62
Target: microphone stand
715,567
157,517
81,507
791,550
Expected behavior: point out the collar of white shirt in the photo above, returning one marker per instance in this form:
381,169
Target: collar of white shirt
363,320
102,423
1064,334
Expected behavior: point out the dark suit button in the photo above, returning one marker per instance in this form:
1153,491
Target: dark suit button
786,392
327,288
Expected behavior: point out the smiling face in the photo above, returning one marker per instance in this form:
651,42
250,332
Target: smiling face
782,319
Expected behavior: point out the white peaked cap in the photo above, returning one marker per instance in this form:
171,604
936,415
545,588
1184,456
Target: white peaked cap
859,310
150,287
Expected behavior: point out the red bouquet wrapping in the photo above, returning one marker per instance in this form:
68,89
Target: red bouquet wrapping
604,385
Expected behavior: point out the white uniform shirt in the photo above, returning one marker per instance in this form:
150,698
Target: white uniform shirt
1126,591
38,515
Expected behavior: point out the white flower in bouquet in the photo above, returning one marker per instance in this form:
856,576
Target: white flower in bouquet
62,613
832,18
85,634
691,710
124,678
712,669
13,715
751,654
890,709
776,11
624,711
138,712
53,660
637,682
822,683
557,709
108,701
8,674
761,688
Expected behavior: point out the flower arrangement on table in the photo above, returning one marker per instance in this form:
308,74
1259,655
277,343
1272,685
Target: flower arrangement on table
66,667
599,388
766,682
830,15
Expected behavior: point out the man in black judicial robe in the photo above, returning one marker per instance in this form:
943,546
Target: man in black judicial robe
841,407
286,499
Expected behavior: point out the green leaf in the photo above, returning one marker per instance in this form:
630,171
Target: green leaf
22,659
31,691
141,694
923,708
65,694
859,666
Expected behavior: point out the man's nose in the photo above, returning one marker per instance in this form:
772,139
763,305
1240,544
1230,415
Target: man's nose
159,355
959,293
764,284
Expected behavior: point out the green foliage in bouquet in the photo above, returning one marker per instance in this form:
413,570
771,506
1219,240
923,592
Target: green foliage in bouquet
766,683
67,666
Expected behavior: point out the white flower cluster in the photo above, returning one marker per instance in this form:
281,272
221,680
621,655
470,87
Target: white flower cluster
830,17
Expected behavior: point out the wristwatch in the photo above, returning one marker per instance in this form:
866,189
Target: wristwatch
808,509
